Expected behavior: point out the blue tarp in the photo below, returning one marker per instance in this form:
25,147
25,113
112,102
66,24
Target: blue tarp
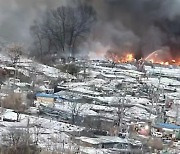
168,126
50,96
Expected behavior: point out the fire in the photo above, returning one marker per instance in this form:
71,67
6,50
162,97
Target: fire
157,57
166,63
174,61
151,60
171,62
163,63
162,57
120,57
129,57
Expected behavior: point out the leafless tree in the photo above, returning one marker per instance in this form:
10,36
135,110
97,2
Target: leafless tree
18,141
14,101
2,110
155,143
63,28
38,38
15,51
121,112
76,109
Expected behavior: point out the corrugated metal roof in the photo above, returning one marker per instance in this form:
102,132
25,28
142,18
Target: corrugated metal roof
167,125
48,95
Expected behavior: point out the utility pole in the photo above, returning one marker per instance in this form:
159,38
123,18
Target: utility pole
15,75
177,113
121,109
84,69
33,75
2,106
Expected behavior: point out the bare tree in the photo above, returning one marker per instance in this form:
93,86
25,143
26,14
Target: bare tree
63,28
76,109
15,51
1,109
18,141
38,38
14,101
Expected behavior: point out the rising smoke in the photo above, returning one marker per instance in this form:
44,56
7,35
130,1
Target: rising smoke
16,17
141,26
138,25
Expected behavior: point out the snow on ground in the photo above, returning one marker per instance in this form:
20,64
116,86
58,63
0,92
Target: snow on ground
90,150
135,100
107,78
171,72
175,95
108,99
94,73
85,109
127,66
106,111
137,112
24,71
94,82
162,81
103,108
51,134
25,65
33,120
50,71
118,72
113,76
85,90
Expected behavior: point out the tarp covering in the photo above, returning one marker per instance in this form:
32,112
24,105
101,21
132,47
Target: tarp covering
50,96
166,125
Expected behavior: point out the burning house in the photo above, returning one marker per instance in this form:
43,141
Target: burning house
162,57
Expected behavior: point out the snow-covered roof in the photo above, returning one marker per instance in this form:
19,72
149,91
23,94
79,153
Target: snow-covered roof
9,68
102,139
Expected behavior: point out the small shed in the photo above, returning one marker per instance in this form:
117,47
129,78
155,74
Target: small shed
101,141
47,98
10,71
168,129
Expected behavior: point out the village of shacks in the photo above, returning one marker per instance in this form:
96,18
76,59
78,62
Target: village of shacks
89,76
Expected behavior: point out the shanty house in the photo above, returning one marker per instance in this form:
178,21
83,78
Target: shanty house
169,129
10,71
47,98
101,141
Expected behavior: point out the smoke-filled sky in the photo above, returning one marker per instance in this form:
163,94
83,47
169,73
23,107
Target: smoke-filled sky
140,25
16,16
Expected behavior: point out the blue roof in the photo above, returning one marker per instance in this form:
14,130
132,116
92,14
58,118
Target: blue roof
168,126
49,95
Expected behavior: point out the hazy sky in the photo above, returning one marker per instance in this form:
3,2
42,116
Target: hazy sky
16,16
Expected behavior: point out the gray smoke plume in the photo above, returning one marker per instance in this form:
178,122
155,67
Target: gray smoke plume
16,16
139,25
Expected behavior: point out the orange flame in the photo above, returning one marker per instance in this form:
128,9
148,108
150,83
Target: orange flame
155,57
170,62
129,57
120,58
162,57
